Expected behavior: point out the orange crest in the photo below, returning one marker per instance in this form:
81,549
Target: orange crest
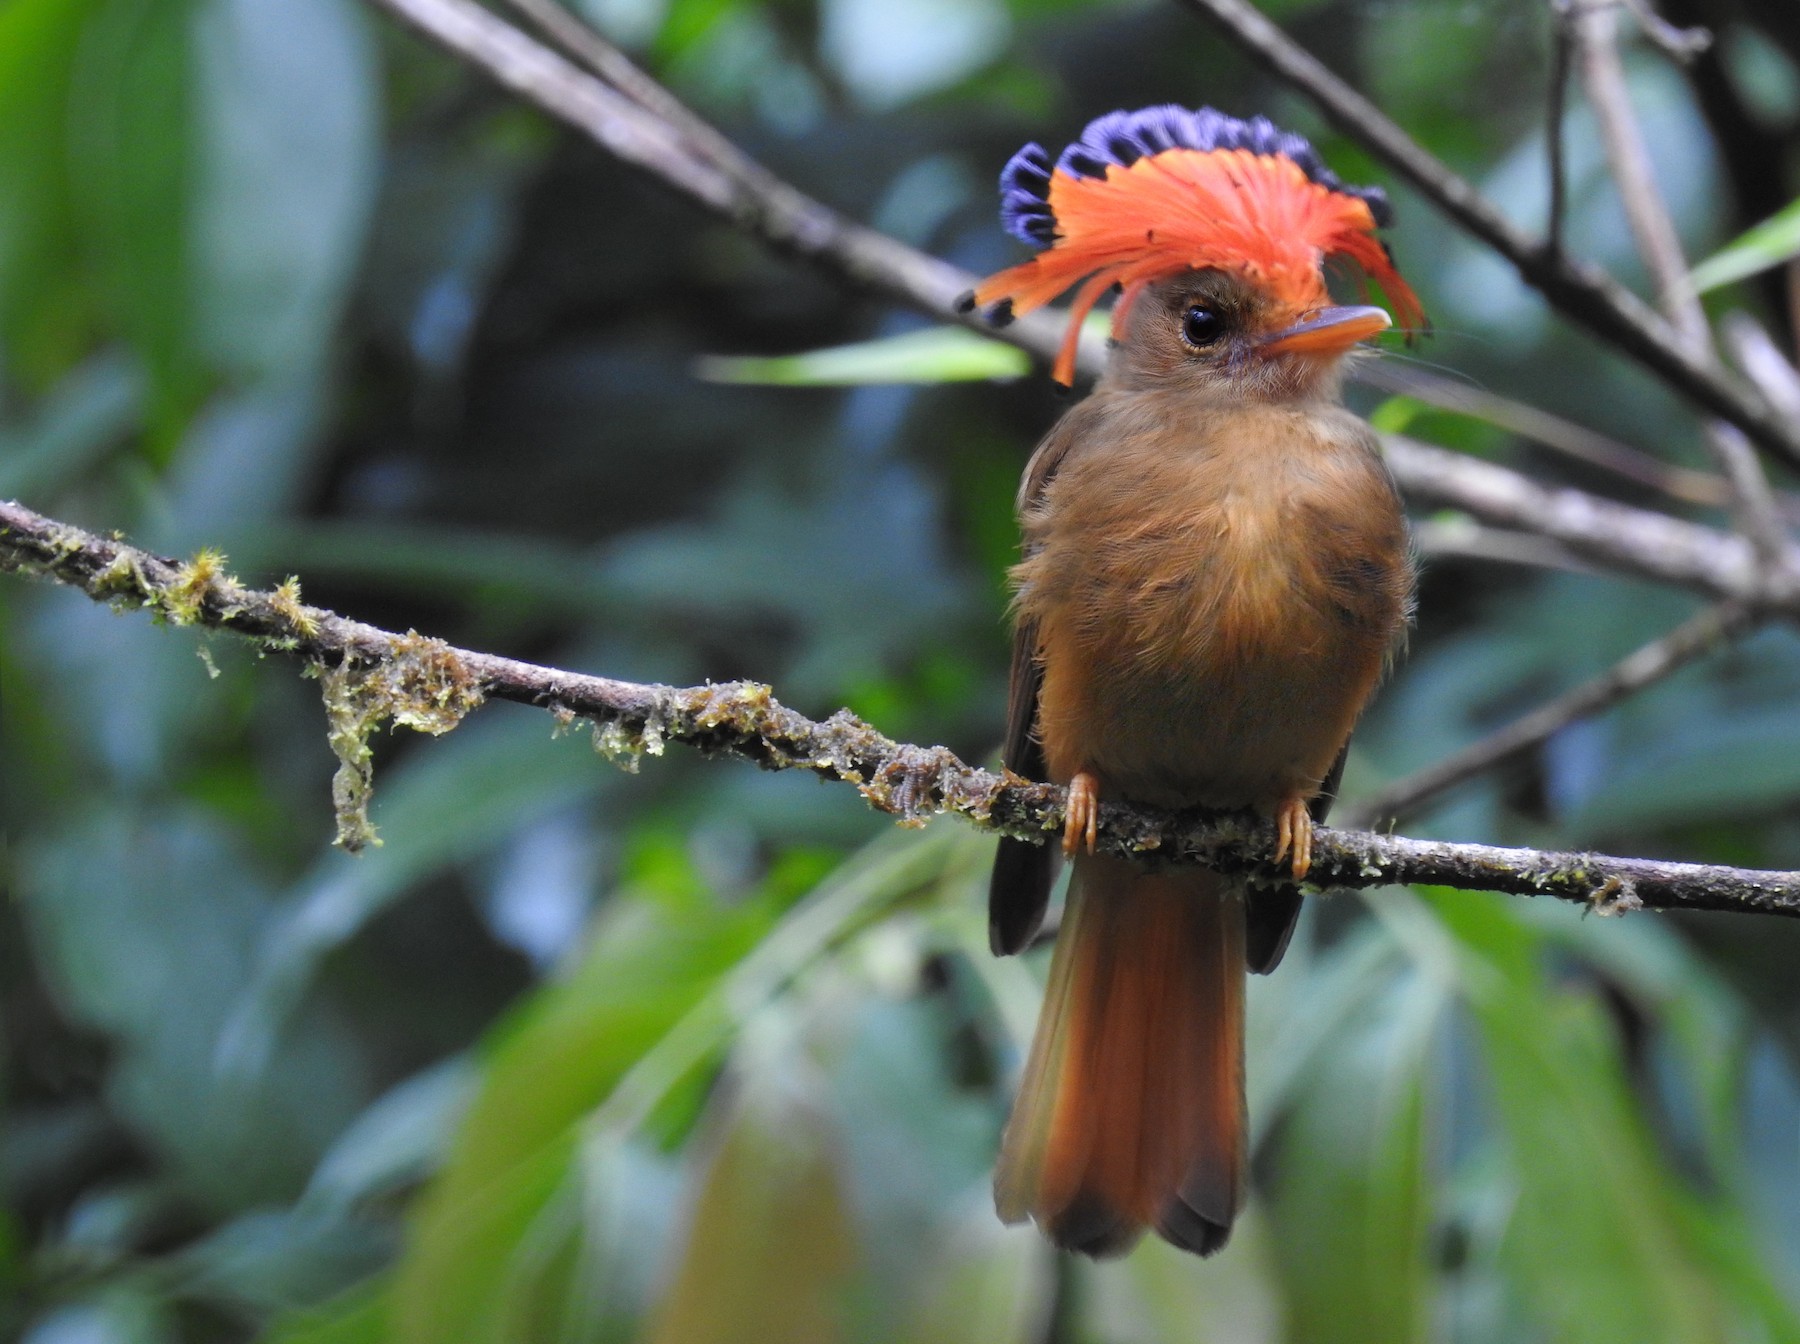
1146,195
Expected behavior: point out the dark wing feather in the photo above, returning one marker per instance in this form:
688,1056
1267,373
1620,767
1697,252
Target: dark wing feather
1023,872
1019,890
1272,912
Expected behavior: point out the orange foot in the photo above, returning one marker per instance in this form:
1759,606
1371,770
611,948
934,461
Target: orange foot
1081,819
1293,834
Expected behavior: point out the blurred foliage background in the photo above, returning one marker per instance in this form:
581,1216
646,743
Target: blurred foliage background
701,1054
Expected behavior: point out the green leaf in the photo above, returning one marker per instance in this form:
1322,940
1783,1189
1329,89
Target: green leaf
1353,1208
38,41
1395,415
770,1242
357,1317
1770,243
1602,1242
396,1142
564,1052
284,171
89,411
145,922
985,1282
1730,763
933,355
274,1260
1700,1029
131,157
443,806
585,1063
1296,1017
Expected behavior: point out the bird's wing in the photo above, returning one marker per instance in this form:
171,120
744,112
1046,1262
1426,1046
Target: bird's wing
1019,890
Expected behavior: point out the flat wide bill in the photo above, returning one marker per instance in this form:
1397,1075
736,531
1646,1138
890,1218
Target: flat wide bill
1329,331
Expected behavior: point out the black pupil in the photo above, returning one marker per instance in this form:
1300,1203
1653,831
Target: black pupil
1200,326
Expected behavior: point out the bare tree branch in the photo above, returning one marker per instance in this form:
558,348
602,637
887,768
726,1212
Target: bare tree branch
643,125
1581,291
1594,23
1683,44
1561,51
1462,538
1601,531
373,674
1698,558
1603,73
1552,431
1638,670
1590,26
1763,363
708,171
622,74
755,201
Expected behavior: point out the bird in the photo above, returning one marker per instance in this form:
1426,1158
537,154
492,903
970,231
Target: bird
1215,575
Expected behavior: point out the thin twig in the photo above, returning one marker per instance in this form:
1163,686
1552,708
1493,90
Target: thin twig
790,221
1562,44
1635,672
1462,538
432,683
1603,532
1628,156
1582,292
619,71
1762,362
1684,44
1588,446
735,188
1792,272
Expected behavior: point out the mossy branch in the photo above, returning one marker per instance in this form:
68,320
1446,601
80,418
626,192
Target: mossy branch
373,675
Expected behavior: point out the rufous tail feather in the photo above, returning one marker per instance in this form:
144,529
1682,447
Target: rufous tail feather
1131,1111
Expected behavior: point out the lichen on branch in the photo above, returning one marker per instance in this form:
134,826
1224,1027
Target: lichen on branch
375,676
422,684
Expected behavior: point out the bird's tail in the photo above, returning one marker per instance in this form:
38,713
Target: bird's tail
1131,1112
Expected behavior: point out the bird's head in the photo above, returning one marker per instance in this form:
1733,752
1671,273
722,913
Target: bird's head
1218,232
1229,337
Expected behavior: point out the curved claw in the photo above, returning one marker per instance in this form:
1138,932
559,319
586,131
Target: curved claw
1081,819
1293,835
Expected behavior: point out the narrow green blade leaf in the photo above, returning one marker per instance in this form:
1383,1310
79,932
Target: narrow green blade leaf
661,994
934,355
1770,243
771,1240
1353,1208
38,42
357,1317
1603,1242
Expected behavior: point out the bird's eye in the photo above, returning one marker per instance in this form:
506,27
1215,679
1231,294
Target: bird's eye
1200,327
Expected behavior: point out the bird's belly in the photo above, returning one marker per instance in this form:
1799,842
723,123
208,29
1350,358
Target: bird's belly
1246,734
1217,670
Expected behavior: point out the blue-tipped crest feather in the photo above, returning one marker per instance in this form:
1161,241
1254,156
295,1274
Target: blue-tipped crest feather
1120,139
1025,197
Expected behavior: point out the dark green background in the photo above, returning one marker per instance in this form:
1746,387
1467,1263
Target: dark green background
702,1054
